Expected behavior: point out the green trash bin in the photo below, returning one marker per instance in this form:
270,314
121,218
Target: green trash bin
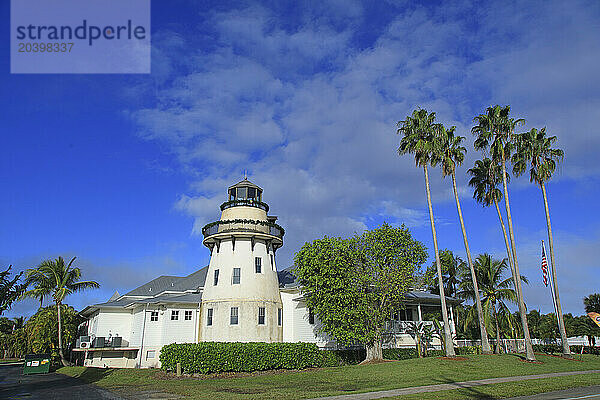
36,364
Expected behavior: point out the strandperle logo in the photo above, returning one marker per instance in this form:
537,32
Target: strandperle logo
85,31
80,36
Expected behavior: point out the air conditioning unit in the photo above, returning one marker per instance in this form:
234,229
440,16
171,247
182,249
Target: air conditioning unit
84,342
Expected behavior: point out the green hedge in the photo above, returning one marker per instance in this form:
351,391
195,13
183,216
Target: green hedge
356,356
557,349
213,357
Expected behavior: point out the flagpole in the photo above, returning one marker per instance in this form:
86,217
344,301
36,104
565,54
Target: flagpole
552,285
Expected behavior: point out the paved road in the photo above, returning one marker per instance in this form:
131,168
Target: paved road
587,393
53,386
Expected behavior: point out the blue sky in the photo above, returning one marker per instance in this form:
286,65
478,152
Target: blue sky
122,171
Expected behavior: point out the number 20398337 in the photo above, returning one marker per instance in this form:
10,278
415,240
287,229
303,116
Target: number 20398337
35,47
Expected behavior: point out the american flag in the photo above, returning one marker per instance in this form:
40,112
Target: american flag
544,265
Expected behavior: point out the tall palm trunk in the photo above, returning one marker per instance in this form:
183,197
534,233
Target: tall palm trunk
516,274
485,344
561,323
497,327
449,344
506,242
63,360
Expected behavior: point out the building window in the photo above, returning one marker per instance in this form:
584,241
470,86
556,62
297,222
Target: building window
209,317
236,276
272,263
216,278
174,315
233,319
279,316
150,354
154,316
258,265
188,315
261,315
311,317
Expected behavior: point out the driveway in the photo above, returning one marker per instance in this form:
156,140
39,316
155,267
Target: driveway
53,386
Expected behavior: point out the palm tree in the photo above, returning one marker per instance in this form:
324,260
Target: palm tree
419,138
451,154
535,147
496,290
495,133
592,303
485,178
53,277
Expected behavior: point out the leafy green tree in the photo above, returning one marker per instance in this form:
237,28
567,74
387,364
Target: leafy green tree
450,154
495,135
55,278
535,147
592,303
496,291
419,137
353,284
41,329
10,289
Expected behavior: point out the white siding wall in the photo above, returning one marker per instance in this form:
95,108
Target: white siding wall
288,316
114,323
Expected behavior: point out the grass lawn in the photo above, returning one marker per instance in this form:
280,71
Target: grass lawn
354,379
8,360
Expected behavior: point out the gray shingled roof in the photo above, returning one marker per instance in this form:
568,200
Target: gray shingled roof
156,286
191,282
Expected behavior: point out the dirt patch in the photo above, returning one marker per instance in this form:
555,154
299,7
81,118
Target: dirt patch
453,358
372,362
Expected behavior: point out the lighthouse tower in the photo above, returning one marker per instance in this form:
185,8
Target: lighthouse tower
241,301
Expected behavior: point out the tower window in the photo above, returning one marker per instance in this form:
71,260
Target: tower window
216,278
272,263
209,317
154,316
311,317
279,316
237,272
174,315
251,193
258,265
188,315
261,315
233,318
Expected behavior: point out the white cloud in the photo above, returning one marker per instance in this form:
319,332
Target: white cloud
312,116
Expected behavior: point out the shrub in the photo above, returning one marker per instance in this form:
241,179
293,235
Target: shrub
557,349
214,357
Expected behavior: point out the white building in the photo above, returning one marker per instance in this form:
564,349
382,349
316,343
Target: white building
239,297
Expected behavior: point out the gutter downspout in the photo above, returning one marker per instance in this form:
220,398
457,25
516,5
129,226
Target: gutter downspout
142,339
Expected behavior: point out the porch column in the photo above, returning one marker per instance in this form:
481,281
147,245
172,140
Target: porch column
420,315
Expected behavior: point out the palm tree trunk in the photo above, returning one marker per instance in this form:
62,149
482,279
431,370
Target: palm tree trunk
497,327
516,273
485,344
60,348
561,323
506,242
449,343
